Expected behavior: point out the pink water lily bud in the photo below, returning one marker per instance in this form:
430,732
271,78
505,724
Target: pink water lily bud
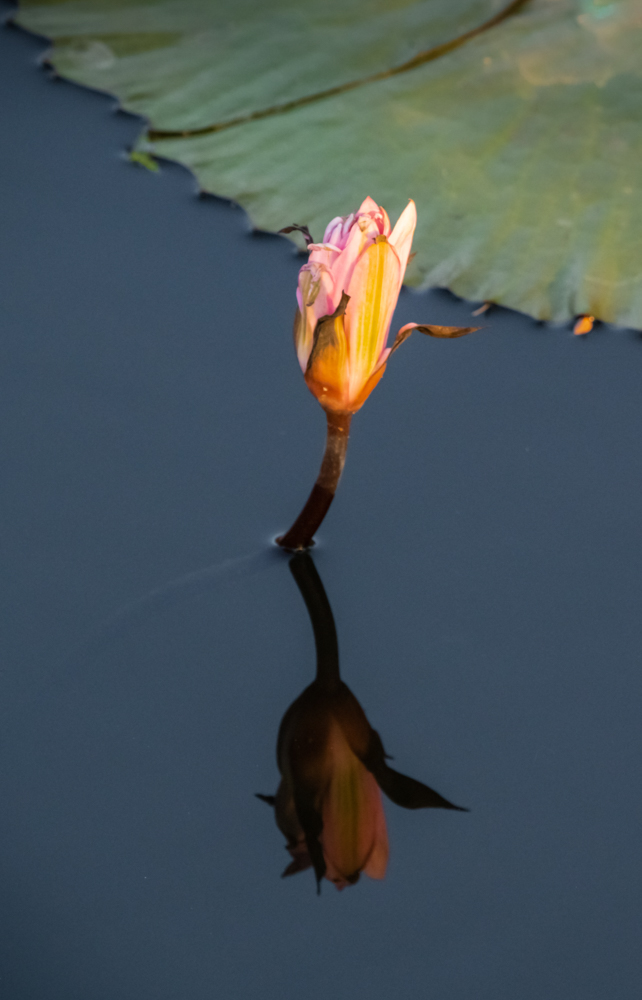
347,294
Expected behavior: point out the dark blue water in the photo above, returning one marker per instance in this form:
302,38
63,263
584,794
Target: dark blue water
482,559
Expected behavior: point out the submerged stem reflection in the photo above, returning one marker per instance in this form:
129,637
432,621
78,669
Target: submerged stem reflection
333,765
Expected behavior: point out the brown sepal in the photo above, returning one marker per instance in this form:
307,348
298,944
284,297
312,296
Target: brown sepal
432,331
446,331
324,331
299,229
401,337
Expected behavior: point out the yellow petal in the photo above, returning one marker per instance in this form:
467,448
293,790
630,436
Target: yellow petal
373,290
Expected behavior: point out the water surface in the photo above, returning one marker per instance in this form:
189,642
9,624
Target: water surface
482,560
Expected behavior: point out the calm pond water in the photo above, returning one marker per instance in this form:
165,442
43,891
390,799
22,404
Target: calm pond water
482,560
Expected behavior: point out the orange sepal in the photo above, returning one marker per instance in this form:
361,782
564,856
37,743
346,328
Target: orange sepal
367,389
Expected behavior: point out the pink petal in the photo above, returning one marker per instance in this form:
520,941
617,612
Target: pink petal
377,215
383,358
332,228
368,205
315,299
401,235
343,265
323,246
338,230
321,291
325,259
303,336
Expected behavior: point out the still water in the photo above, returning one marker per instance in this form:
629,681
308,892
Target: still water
482,561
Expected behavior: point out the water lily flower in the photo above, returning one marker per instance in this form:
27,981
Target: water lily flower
347,292
346,296
333,766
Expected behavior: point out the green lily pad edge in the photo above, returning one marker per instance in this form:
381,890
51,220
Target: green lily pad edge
521,146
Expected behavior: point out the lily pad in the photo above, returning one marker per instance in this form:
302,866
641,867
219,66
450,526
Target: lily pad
520,143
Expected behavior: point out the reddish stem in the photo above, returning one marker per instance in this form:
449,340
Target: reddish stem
301,534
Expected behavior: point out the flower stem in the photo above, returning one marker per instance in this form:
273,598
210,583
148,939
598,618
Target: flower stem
301,534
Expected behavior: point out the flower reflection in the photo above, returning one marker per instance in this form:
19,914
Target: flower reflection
333,766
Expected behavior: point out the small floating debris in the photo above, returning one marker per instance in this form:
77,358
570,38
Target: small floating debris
144,160
584,324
